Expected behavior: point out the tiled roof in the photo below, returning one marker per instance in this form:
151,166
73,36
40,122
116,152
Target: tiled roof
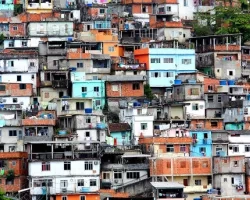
117,127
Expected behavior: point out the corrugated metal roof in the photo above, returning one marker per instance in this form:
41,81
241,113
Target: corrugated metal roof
163,185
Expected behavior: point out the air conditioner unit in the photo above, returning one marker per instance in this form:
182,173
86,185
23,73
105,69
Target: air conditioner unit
63,190
96,163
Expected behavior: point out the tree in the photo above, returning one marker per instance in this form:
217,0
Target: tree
148,92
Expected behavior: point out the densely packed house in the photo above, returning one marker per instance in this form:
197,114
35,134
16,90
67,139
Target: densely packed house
119,99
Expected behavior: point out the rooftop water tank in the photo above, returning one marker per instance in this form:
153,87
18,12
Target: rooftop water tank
231,82
177,82
223,82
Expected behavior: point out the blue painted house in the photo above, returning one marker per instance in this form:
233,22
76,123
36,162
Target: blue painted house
202,143
82,88
165,63
122,133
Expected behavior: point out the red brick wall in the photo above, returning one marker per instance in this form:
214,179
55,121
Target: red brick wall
126,90
14,90
210,81
19,183
20,29
181,166
207,124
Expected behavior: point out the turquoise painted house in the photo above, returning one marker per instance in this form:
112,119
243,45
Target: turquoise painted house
202,143
82,88
121,132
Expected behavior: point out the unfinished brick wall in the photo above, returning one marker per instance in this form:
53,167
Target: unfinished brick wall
126,89
207,124
211,82
17,29
13,89
181,166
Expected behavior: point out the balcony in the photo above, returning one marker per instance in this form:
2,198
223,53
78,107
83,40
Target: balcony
60,83
211,48
126,67
93,51
43,118
55,52
13,122
197,188
171,24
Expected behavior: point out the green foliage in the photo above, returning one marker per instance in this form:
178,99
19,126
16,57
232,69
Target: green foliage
18,9
10,175
2,195
225,20
148,92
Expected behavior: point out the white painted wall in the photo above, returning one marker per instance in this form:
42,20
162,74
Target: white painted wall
186,12
21,65
57,169
26,101
31,42
136,126
72,185
9,140
241,142
196,113
93,135
25,78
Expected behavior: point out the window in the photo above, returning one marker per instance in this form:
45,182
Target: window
197,182
106,175
219,98
205,164
45,166
95,78
245,111
102,11
32,64
183,148
79,65
135,72
22,86
24,43
2,87
67,165
247,148
155,74
170,148
136,86
235,148
168,60
144,9
214,124
230,73
79,105
225,179
14,28
155,60
19,78
88,165
87,134
111,49
80,182
185,2
12,133
64,198
14,100
195,106
11,63
92,182
13,163
82,197
210,88
55,62
88,120
210,98
194,91
63,183
232,180
168,74
115,88
11,44
97,102
236,163
117,175
96,89
84,89
169,8
47,76
9,182
133,175
205,135
186,61
144,126
202,149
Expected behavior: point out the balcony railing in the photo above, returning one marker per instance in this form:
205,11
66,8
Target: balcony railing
197,188
60,83
13,122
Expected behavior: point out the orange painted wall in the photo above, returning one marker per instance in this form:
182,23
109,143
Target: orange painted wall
137,8
142,55
106,46
77,196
